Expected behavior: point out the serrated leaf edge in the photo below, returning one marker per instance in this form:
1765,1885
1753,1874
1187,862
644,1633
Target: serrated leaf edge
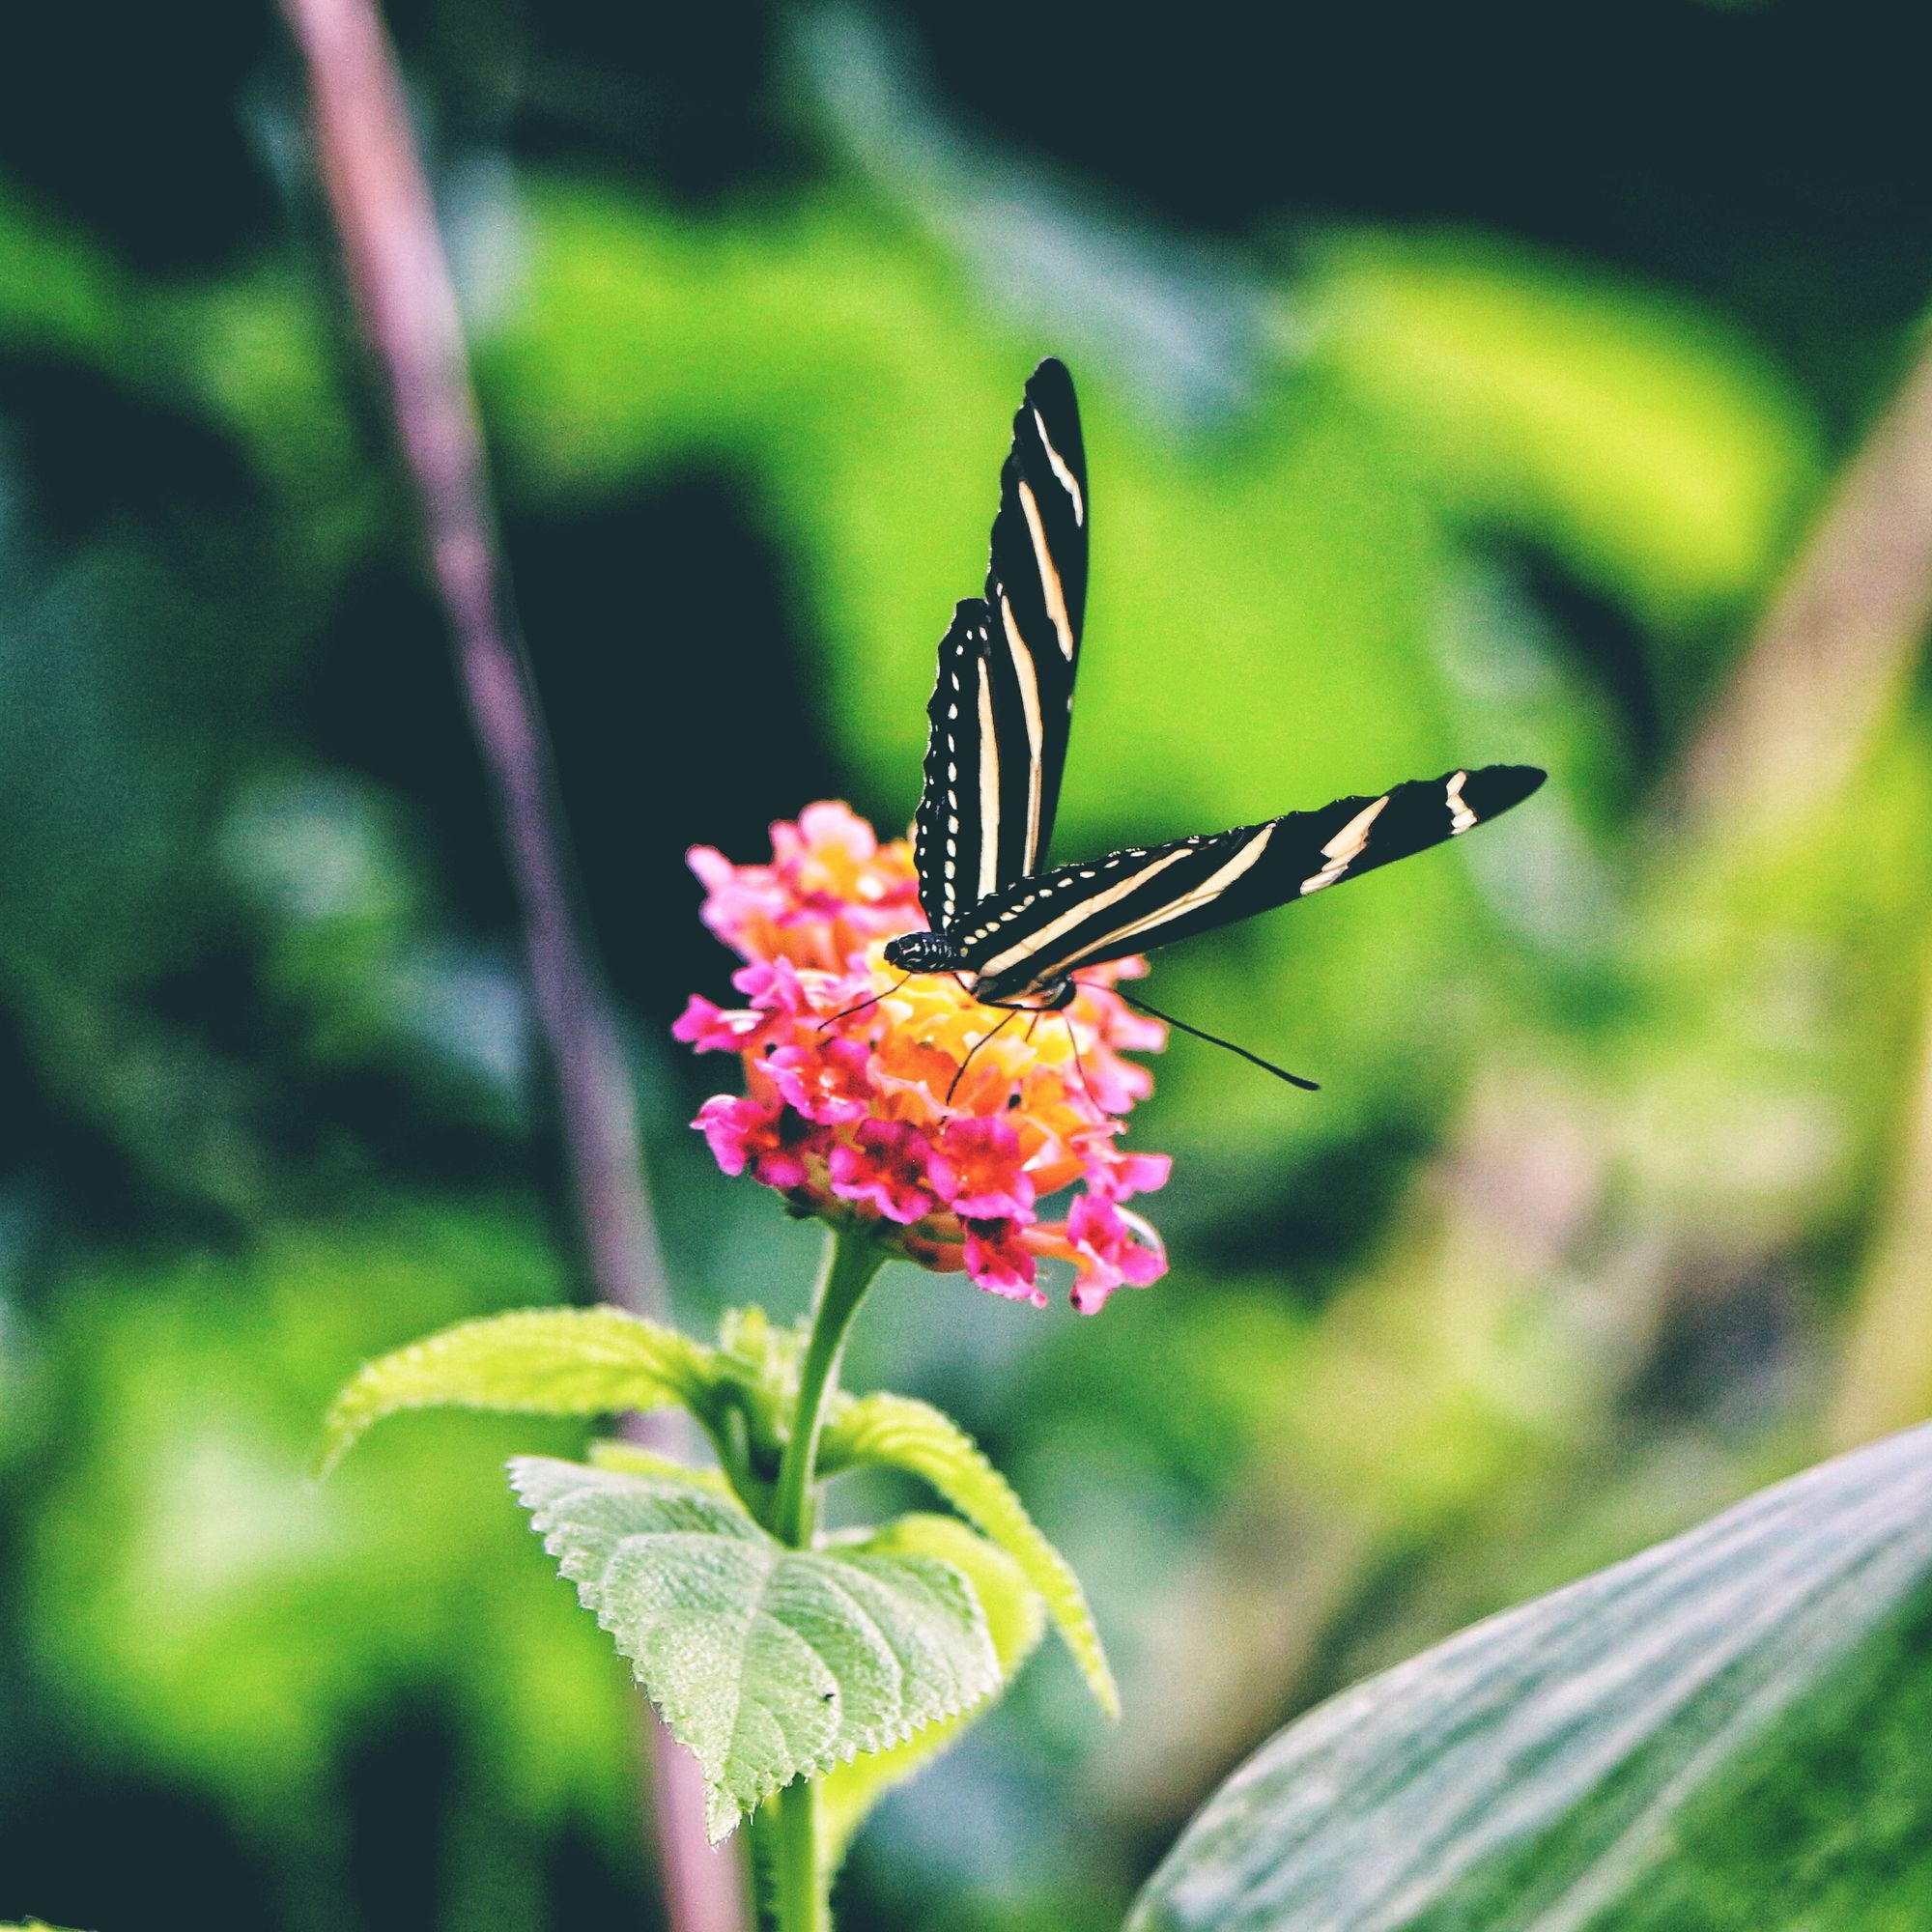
682,1375
721,1799
913,1436
839,1828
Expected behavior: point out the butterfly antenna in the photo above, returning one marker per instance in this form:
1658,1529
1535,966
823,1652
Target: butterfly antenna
1215,1040
975,1048
862,1006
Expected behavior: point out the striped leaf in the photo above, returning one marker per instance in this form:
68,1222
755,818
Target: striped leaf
1724,1732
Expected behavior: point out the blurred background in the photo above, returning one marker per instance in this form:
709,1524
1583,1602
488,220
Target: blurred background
1460,385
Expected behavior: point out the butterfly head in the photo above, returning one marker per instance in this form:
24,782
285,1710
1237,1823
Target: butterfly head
920,952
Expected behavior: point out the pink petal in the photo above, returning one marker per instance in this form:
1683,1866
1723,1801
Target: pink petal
829,1081
977,1171
713,1029
1111,1247
728,1123
884,1167
1128,1174
831,822
997,1260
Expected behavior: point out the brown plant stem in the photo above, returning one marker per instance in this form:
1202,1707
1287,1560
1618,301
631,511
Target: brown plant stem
381,202
1886,1378
1831,660
1835,647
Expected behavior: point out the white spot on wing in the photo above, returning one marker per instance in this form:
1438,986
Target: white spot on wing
1461,816
1345,847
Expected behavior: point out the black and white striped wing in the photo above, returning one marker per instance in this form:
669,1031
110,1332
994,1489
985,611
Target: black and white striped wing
953,853
1002,708
1037,597
1041,929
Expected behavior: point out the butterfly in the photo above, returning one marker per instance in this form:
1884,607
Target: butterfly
1000,717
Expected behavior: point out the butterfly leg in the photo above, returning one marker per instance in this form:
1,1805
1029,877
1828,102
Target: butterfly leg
1053,996
971,1051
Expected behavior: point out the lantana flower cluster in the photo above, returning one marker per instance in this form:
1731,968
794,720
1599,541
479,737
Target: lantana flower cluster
856,1107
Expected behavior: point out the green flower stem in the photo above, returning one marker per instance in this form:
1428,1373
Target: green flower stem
851,1260
787,1829
799,1898
730,1436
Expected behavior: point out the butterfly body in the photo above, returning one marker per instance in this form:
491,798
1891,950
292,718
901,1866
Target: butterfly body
998,720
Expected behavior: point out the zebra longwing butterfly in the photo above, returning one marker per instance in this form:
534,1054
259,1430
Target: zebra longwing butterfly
999,717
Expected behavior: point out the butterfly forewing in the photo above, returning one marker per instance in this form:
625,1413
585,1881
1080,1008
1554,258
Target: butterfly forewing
1001,707
1041,929
1037,594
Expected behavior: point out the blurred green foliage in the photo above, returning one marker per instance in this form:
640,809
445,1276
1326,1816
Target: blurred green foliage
1571,1247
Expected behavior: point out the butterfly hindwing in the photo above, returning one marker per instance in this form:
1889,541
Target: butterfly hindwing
1039,929
950,852
1001,710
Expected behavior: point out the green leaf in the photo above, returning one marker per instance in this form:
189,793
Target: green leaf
1016,1618
632,1459
541,1361
767,1664
66,296
1726,1731
902,1434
